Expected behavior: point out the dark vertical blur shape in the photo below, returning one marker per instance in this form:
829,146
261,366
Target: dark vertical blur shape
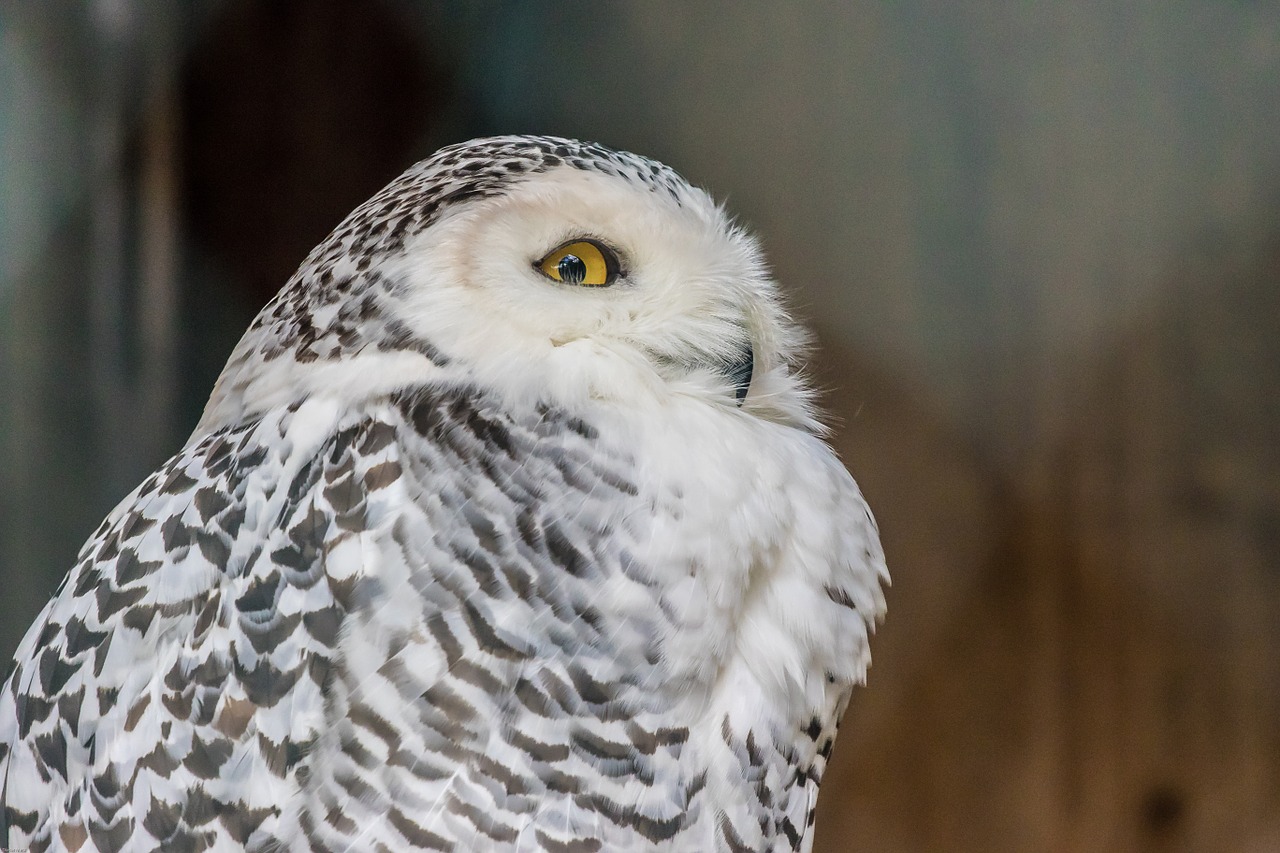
90,315
133,248
295,112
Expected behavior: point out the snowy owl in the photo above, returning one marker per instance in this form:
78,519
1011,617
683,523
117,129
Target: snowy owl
507,526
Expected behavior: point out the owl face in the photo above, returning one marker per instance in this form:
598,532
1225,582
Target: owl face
594,285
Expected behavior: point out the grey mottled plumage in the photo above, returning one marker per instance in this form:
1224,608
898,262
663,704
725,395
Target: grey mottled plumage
464,557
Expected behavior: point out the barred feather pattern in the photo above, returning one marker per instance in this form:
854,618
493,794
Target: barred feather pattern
443,616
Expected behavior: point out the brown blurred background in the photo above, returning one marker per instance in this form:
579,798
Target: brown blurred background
1040,243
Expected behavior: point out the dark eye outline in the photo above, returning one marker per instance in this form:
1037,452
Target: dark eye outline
612,264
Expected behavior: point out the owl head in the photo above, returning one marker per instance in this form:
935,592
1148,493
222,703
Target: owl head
540,268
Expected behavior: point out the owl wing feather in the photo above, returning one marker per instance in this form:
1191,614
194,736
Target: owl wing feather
172,685
162,691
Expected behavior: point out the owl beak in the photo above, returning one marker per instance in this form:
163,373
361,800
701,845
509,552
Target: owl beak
739,371
737,368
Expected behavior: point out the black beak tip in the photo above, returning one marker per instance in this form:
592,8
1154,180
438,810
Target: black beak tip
740,372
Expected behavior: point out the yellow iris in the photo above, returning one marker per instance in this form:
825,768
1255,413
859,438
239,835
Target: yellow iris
583,262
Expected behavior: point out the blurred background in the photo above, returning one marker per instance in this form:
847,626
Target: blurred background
1039,243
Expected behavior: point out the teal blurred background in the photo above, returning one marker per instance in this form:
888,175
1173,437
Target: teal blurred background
1039,242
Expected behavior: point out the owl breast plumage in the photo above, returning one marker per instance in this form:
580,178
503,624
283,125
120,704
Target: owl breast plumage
507,527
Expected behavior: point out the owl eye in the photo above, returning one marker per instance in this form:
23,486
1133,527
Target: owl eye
583,262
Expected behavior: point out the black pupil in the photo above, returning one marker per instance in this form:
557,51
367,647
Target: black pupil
572,269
